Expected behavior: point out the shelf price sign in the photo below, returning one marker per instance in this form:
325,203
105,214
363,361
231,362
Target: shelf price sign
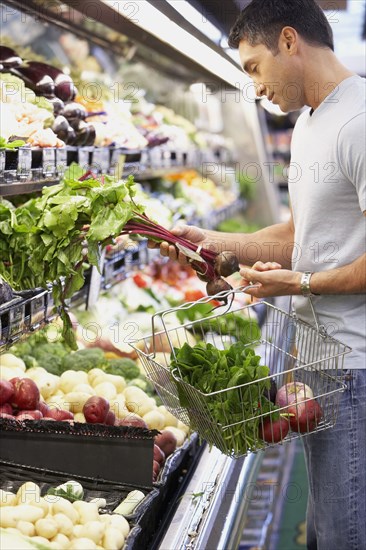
83,157
16,319
100,162
48,162
24,162
61,160
2,162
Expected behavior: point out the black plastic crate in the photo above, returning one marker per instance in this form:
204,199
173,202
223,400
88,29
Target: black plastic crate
118,454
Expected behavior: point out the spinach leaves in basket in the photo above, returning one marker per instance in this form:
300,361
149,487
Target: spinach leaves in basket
242,383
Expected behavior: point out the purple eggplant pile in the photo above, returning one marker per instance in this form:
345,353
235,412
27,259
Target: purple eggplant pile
59,89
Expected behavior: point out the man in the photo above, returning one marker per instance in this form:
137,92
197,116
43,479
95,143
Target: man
286,46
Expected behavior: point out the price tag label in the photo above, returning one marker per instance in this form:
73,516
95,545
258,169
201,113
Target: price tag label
83,157
16,319
128,261
24,162
144,159
37,310
61,160
2,163
101,160
48,161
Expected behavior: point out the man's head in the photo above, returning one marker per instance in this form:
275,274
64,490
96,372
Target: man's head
274,38
261,22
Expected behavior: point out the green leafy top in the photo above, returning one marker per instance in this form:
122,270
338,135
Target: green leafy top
239,372
53,238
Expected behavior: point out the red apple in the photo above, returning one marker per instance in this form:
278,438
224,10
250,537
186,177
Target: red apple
133,421
167,442
110,419
26,394
96,409
6,408
273,431
29,415
291,392
305,415
6,391
159,455
59,415
43,407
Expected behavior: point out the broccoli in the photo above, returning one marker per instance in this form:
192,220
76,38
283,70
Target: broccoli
22,348
29,361
123,367
49,356
84,359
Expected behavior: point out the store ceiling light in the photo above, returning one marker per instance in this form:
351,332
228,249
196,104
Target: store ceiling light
197,19
153,21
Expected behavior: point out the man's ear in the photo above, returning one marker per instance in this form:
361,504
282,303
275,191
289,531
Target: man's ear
288,40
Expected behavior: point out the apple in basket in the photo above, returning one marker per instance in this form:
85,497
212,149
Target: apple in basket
274,430
305,416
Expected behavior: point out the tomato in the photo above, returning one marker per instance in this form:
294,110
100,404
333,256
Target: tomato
139,281
192,295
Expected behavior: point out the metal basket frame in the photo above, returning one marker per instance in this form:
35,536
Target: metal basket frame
292,349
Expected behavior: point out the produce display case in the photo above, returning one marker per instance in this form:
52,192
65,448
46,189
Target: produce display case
193,503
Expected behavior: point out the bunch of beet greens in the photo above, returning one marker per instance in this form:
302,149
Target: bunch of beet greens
54,238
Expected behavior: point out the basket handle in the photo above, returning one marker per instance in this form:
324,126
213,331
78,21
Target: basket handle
187,305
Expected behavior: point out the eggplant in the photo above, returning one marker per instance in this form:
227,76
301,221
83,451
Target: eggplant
85,134
6,293
35,79
9,58
74,111
63,130
58,105
64,86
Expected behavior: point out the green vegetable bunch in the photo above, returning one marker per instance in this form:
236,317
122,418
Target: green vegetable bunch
209,370
54,238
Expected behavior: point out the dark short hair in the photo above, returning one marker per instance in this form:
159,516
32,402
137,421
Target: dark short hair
262,21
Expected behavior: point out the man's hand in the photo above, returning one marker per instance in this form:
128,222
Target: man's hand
189,232
270,280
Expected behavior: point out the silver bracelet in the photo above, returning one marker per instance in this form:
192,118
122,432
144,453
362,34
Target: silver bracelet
305,284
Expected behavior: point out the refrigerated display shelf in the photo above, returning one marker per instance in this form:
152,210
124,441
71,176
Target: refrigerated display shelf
28,170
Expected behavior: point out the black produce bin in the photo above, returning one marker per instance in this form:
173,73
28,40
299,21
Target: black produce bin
155,515
13,475
119,454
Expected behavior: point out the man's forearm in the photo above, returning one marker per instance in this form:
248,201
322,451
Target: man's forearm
271,244
348,279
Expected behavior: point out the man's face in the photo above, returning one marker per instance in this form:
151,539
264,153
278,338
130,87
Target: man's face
276,76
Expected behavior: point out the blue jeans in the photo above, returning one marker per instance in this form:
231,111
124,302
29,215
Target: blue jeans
336,464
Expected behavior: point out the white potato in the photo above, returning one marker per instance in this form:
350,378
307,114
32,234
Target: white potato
106,390
155,420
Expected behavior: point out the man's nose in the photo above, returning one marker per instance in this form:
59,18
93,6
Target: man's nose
260,90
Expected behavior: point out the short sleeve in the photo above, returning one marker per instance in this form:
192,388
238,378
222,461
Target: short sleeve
351,150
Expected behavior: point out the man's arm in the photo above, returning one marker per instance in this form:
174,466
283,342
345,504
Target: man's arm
271,244
348,279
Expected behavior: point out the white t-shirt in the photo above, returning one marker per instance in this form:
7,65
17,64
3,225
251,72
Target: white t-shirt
327,187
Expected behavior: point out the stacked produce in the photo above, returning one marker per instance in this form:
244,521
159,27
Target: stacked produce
59,519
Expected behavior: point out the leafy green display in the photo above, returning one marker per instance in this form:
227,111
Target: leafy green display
54,238
4,144
208,370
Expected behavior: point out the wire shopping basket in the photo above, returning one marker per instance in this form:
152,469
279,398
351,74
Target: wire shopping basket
238,415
